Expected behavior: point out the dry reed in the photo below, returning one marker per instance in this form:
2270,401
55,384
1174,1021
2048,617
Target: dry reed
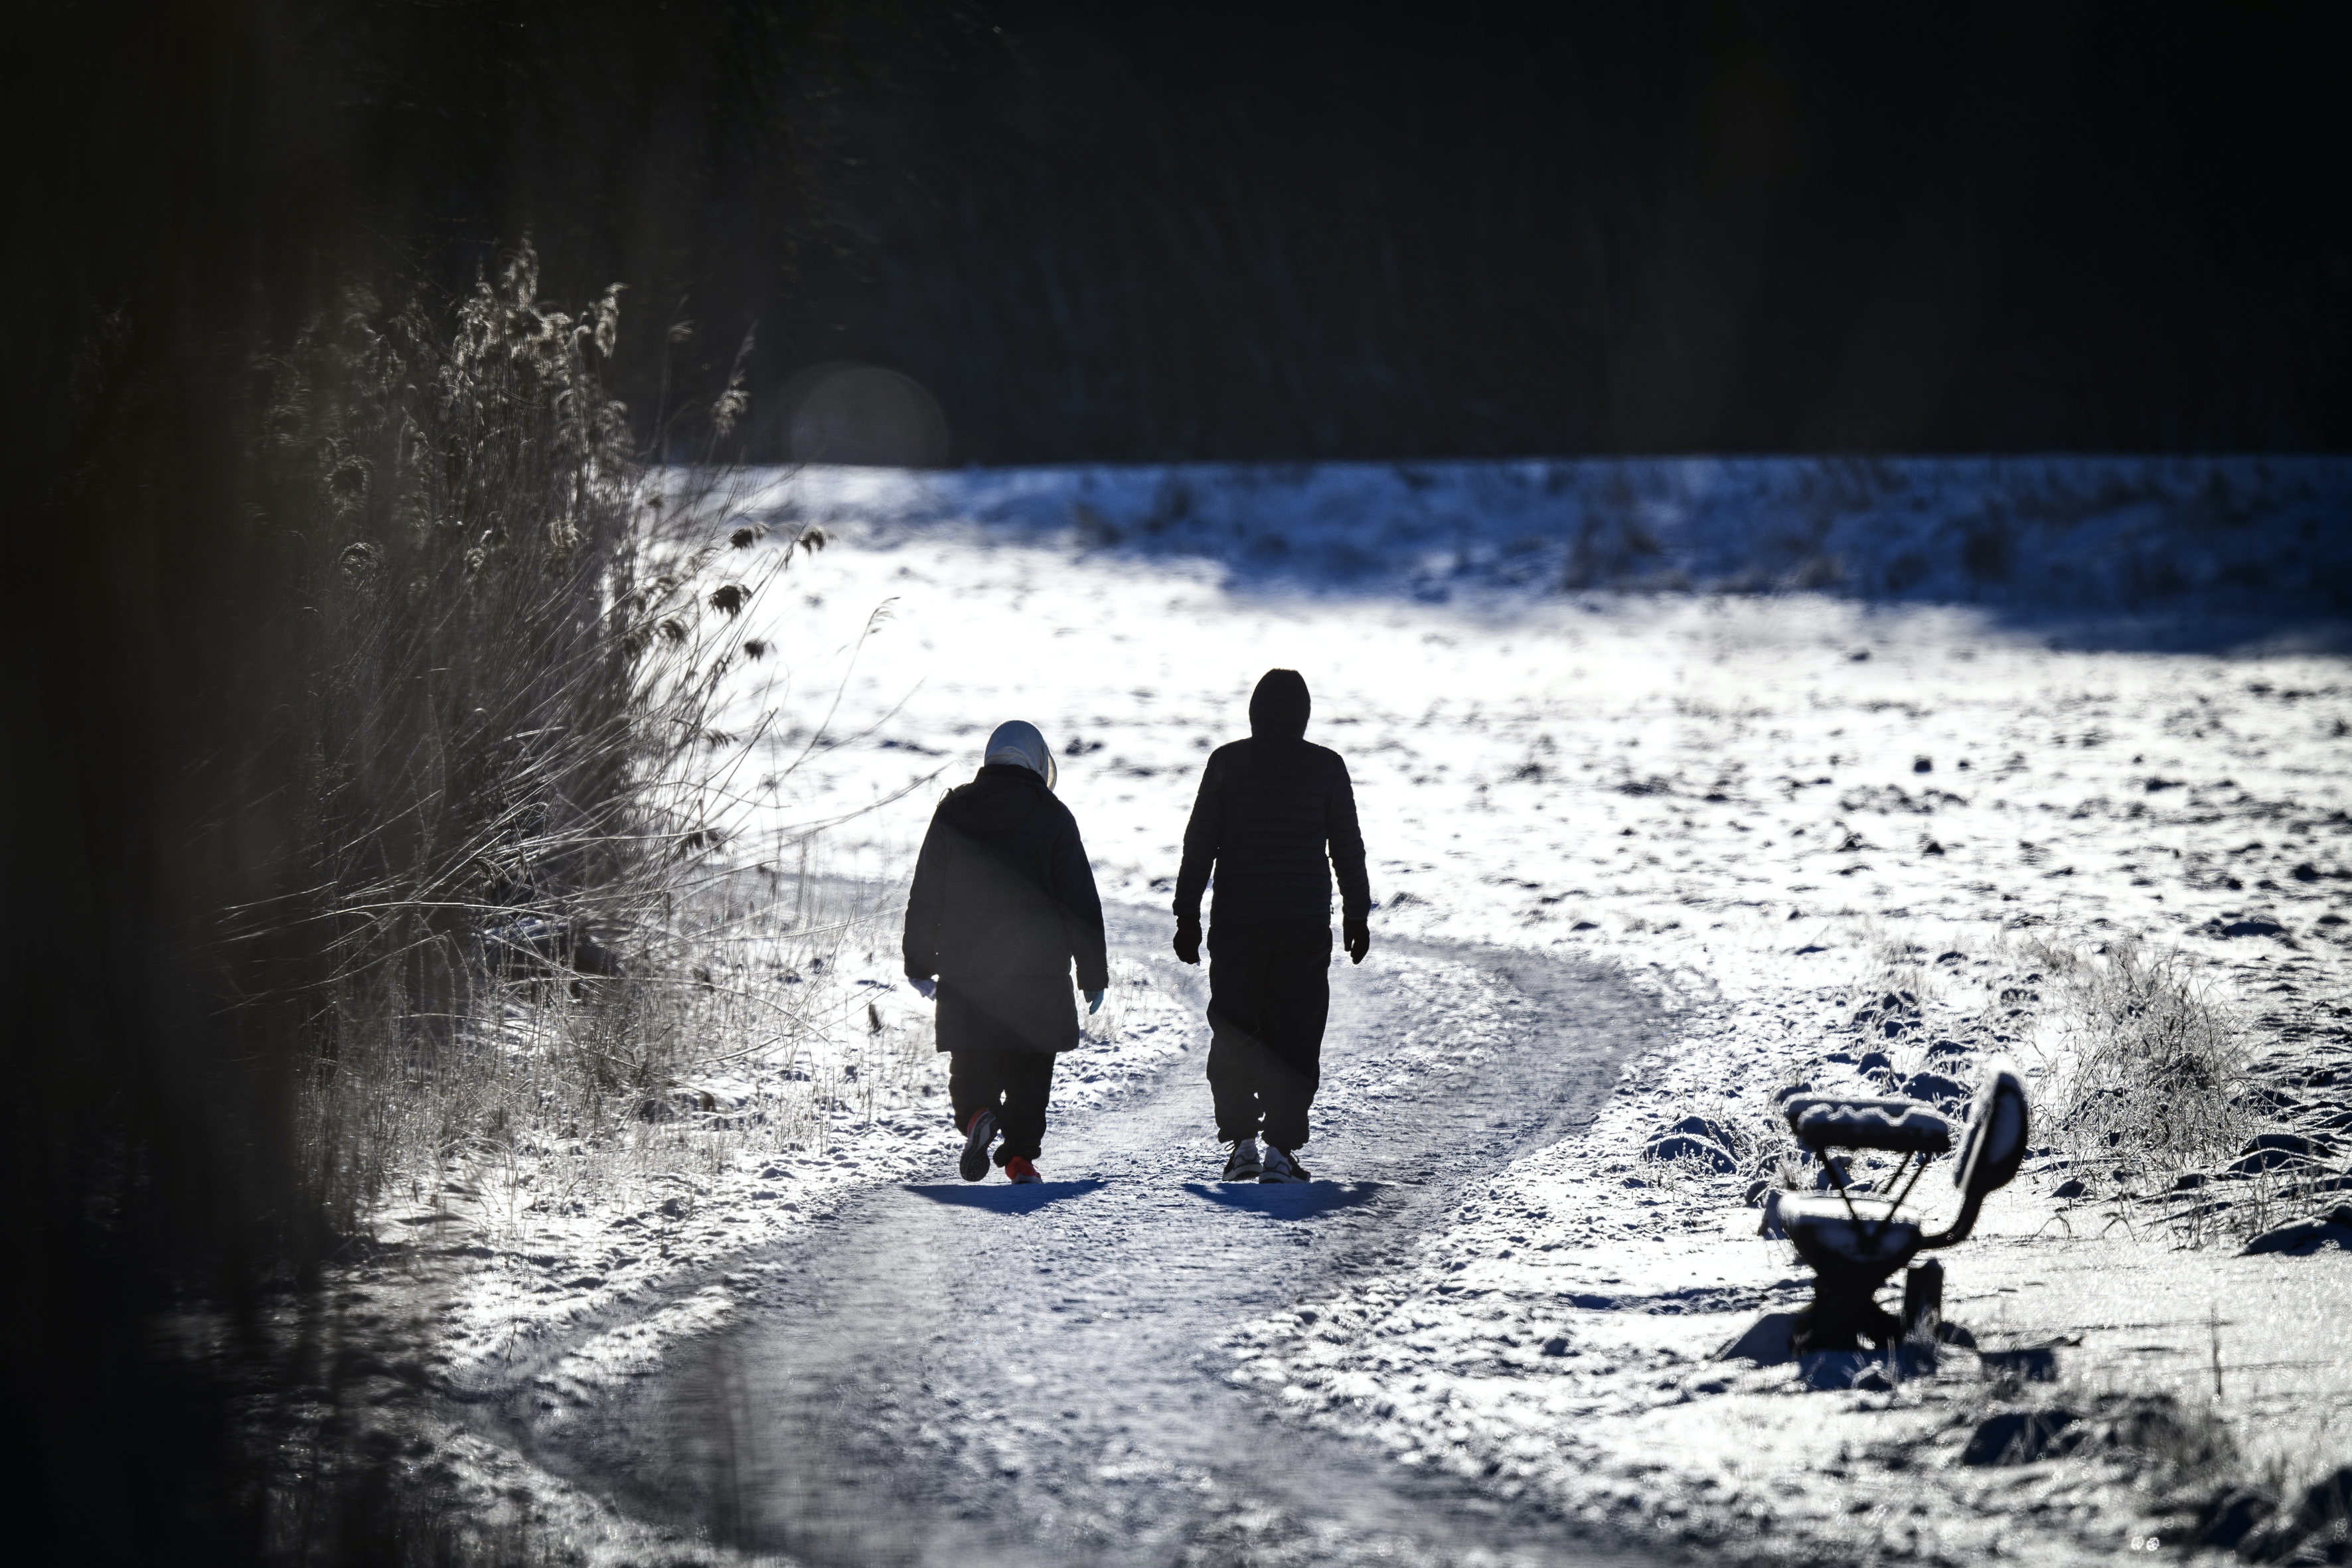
513,649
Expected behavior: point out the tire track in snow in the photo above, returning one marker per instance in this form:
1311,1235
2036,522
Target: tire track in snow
980,1374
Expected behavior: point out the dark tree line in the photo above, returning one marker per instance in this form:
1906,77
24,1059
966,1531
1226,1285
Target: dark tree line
1282,232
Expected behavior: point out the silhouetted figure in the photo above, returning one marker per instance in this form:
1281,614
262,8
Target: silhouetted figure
1275,818
1004,902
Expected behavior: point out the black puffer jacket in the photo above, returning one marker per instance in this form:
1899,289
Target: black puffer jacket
1275,818
1004,901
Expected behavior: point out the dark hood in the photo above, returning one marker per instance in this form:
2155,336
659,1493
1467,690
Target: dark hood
1000,798
1279,706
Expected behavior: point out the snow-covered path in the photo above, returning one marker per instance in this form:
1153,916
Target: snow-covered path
976,1374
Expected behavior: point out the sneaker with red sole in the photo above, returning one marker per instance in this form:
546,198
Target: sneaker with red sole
1019,1172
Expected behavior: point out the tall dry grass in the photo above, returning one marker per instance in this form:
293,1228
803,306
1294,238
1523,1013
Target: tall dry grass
2150,1066
499,723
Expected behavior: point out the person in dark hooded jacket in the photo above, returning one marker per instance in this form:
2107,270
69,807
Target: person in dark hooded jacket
1274,818
1004,902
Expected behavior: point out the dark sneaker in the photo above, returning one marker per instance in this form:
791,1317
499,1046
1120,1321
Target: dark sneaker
1019,1172
1242,1165
977,1138
1282,1165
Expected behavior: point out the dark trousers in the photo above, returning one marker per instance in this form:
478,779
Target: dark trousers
1014,1084
1269,993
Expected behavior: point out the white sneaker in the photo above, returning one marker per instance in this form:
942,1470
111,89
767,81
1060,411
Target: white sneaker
1281,1165
1242,1164
977,1138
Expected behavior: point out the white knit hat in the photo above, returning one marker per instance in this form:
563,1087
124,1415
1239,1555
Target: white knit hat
1019,742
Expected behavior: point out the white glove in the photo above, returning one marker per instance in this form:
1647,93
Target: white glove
928,989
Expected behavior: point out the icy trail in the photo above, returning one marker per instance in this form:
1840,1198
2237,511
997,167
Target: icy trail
984,1373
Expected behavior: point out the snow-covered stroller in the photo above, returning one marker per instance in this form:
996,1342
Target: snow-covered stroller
1854,1244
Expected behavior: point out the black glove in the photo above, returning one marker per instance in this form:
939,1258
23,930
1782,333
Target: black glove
1188,941
1357,936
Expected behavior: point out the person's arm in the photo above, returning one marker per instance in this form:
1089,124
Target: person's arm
1203,836
1345,841
1081,905
926,903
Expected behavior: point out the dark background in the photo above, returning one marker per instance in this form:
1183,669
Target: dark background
1274,232
1208,231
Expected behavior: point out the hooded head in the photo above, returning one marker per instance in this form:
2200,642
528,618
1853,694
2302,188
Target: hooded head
1279,706
1019,742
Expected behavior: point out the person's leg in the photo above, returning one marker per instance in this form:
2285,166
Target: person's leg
1236,965
1028,1086
1296,1004
975,1083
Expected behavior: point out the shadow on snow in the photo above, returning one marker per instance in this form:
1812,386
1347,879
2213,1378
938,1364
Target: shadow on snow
1300,1200
1004,1198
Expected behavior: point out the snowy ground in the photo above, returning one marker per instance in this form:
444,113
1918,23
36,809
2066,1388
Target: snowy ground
1765,815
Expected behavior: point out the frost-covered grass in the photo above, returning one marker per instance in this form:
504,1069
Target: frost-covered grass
2150,1072
468,738
751,1041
